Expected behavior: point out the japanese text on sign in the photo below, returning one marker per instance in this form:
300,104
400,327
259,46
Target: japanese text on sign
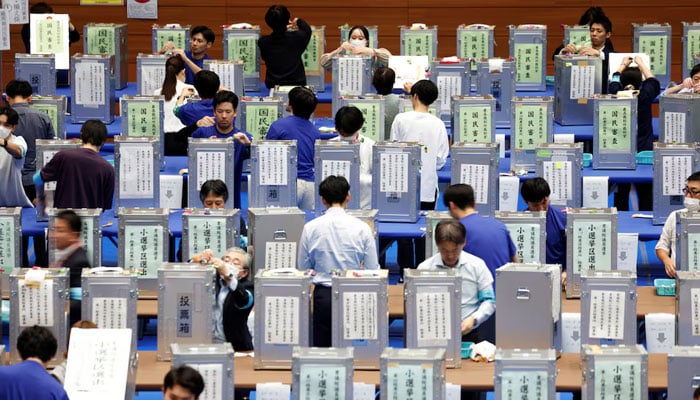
335,167
90,84
582,81
207,233
312,54
418,44
101,40
655,47
36,303
143,249
607,314
448,86
213,377
474,43
617,380
393,172
281,320
693,45
17,12
676,169
258,119
226,72
524,385
359,316
109,312
144,118
477,176
244,48
695,311
693,248
373,119
325,382
674,127
185,309
528,63
136,179
580,37
4,30
433,316
614,127
475,124
350,75
7,243
410,381
280,255
559,174
526,238
272,165
530,126
177,36
151,79
52,111
592,246
210,165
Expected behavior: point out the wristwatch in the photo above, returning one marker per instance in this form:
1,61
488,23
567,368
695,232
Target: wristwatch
4,143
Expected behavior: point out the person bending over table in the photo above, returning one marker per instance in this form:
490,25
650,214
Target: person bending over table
357,43
689,85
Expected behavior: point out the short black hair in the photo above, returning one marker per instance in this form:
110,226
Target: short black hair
11,114
37,341
695,70
450,230
696,393
365,32
695,177
214,186
207,83
348,120
383,80
93,132
186,377
225,96
72,219
41,8
426,91
590,14
534,190
18,87
277,18
334,189
302,101
205,31
462,195
631,78
604,21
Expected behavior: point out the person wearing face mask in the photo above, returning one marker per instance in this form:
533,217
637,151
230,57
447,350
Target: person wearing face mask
666,246
357,43
12,151
348,122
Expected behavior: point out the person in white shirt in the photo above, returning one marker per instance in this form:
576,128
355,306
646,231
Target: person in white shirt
666,246
12,151
689,85
348,122
173,87
429,131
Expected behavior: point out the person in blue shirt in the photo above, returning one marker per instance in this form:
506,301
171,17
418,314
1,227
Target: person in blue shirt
302,103
207,84
225,104
201,39
535,193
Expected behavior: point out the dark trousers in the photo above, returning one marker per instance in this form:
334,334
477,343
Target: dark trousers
411,252
40,255
645,195
322,317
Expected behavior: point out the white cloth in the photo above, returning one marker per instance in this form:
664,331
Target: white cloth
336,241
478,298
171,123
430,132
667,240
305,195
11,189
366,148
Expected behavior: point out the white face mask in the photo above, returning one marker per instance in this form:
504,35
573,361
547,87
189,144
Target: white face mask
4,131
358,42
691,204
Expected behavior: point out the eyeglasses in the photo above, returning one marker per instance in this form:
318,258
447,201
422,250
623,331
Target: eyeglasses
692,192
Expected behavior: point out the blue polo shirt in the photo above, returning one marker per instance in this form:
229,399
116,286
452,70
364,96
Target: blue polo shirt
189,75
488,239
556,237
190,113
305,133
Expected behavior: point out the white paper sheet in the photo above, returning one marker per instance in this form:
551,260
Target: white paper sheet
508,187
433,315
210,165
151,78
448,86
660,332
109,312
281,320
362,391
142,9
571,332
627,244
7,243
477,176
674,127
136,179
607,314
676,169
272,165
321,382
335,167
595,191
617,379
582,81
359,316
4,30
17,11
393,172
350,74
54,26
409,69
213,376
36,304
89,84
280,255
559,175
272,391
171,191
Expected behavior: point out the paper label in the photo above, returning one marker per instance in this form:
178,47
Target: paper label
655,46
410,381
226,72
559,174
530,126
582,81
281,320
136,180
322,382
676,169
312,54
592,246
206,233
335,167
17,12
393,172
693,247
580,37
448,86
524,385
152,78
90,84
210,165
143,249
477,176
433,316
614,128
627,244
36,304
617,380
508,188
418,43
350,75
7,244
4,30
101,40
177,36
674,127
109,312
360,316
595,191
528,63
244,48
213,376
137,9
692,40
49,35
695,311
184,314
144,118
607,315
474,43
280,255
526,238
52,111
272,391
48,155
475,124
374,120
258,119
272,166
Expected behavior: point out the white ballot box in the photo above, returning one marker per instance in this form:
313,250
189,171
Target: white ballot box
452,79
178,35
396,181
473,119
230,73
614,372
531,126
407,372
560,165
361,315
338,158
591,244
683,371
311,58
256,114
55,107
352,76
137,171
432,308
528,46
274,235
655,40
476,164
90,234
496,78
679,118
608,307
144,243
687,241
10,244
687,308
242,44
273,173
417,40
143,116
319,373
111,40
213,361
39,297
372,107
614,132
673,164
45,150
209,158
691,46
525,373
215,229
150,73
39,70
432,218
282,317
528,300
92,91
185,306
528,230
577,79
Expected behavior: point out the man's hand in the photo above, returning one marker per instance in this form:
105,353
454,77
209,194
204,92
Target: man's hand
670,267
563,278
468,324
205,122
242,138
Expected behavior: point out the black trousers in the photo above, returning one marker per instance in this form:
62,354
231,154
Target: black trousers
410,248
322,317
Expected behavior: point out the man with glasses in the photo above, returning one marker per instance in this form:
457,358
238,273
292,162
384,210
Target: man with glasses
234,297
666,245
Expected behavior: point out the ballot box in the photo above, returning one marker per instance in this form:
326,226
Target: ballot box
531,126
352,76
185,306
109,297
396,181
673,164
608,307
528,300
209,158
528,46
361,315
417,40
213,361
528,230
576,80
144,116
614,372
92,90
496,78
215,229
473,119
137,171
578,35
55,107
560,165
372,40
10,244
242,44
144,243
474,42
691,46
39,70
683,371
654,40
175,33
274,235
528,373
282,317
319,373
150,73
273,167
311,58
90,234
432,312
679,118
39,297
614,132
688,241
45,150
476,164
338,158
230,73
432,218
687,303
256,114
591,244
452,78
405,372
372,107
111,40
